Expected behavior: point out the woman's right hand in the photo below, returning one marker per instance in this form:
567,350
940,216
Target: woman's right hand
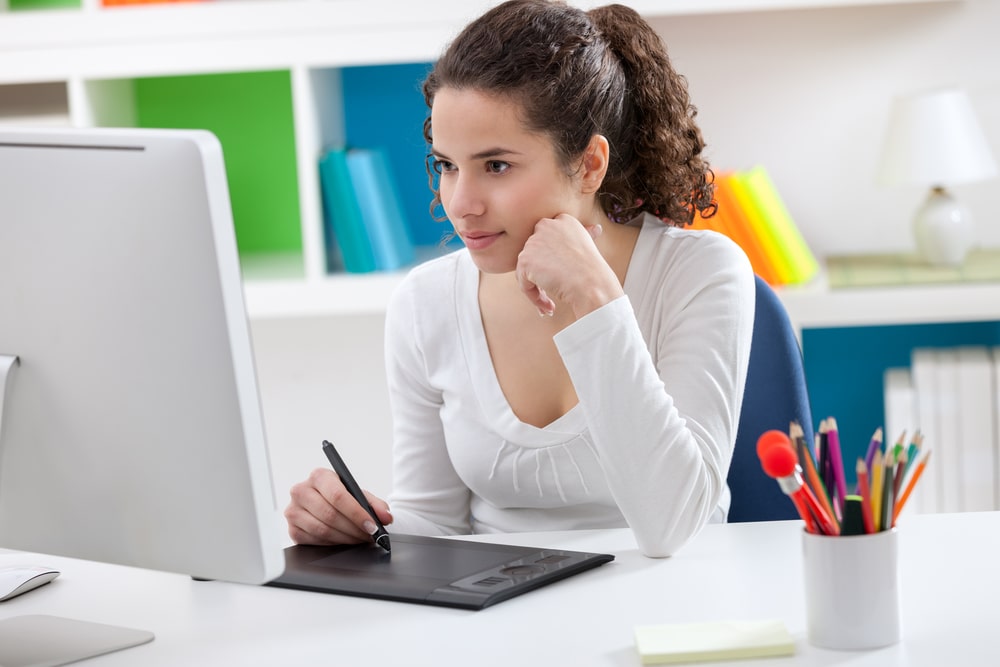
322,511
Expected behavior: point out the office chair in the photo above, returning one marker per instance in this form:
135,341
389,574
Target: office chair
775,395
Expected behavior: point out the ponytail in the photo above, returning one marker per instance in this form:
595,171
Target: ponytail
665,174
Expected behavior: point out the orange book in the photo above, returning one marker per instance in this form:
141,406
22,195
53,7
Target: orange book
716,223
740,230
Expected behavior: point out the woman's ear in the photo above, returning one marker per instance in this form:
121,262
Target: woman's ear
595,164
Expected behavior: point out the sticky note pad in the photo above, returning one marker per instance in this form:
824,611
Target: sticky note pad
717,640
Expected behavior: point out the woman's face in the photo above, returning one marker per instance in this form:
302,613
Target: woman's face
497,179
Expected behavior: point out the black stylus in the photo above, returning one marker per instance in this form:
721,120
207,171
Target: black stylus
380,536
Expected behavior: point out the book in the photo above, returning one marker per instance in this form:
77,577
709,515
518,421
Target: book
381,211
346,237
900,402
949,434
760,228
995,357
923,367
801,263
713,640
976,424
364,222
737,227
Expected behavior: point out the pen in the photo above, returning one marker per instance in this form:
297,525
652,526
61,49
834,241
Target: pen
380,536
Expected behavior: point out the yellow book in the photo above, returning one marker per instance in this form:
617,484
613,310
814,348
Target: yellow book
716,640
799,258
738,228
761,229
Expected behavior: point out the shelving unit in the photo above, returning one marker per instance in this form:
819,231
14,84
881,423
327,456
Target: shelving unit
850,336
94,66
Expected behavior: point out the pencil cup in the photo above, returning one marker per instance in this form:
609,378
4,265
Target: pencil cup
852,592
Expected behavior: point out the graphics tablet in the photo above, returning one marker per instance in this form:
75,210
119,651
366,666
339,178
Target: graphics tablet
431,570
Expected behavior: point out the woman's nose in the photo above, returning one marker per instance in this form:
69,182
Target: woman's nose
462,197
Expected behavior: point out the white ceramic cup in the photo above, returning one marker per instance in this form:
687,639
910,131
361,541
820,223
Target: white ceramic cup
852,590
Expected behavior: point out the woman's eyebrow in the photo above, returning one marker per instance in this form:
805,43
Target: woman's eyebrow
486,154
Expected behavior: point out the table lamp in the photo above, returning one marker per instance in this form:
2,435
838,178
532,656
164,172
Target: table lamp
935,140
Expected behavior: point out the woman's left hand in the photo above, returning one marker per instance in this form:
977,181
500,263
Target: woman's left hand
561,263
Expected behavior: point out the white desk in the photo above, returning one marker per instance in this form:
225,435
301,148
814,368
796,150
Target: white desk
949,581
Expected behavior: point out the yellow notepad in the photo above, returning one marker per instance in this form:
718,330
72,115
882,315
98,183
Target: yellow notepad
719,640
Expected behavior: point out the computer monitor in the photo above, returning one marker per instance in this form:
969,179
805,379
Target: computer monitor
130,425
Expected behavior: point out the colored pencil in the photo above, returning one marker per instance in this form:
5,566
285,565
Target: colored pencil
833,441
914,450
897,449
865,492
809,467
897,482
877,470
873,445
908,489
825,467
885,506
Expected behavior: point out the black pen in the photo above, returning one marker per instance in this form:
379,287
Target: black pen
380,536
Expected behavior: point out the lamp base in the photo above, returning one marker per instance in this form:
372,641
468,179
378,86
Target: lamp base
944,229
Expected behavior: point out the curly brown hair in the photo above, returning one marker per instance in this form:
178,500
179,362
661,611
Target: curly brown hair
575,74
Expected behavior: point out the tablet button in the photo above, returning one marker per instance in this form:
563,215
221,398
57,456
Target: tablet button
522,570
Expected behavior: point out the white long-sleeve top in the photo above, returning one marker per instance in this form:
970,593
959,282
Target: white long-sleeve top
659,375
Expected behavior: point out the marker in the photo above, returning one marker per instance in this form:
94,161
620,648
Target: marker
779,460
380,536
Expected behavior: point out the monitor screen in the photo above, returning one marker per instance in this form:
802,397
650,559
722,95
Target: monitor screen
130,423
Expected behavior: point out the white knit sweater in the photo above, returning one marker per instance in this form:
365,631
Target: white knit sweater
659,374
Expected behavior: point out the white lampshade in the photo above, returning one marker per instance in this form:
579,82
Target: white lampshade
934,138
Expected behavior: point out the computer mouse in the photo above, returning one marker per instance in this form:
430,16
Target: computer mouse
18,579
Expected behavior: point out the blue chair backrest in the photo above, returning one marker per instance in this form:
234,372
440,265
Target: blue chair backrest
775,396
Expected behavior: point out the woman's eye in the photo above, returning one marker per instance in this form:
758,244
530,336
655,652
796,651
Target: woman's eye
441,166
497,166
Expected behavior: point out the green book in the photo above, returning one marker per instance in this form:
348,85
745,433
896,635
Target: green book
716,640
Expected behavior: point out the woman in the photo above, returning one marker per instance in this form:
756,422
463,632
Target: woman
567,159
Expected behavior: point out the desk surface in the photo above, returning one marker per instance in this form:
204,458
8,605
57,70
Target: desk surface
949,581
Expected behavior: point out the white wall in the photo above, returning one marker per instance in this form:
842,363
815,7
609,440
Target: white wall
323,378
806,93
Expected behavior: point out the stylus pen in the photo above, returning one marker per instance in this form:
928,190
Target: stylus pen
380,536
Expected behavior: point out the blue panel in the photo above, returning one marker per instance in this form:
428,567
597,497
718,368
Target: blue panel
844,368
383,107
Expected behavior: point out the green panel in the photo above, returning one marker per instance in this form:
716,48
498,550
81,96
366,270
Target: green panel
251,114
42,4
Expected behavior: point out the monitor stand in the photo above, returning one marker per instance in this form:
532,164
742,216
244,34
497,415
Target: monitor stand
7,364
37,640
43,641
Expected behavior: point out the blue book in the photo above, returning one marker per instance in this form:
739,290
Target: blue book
378,199
345,231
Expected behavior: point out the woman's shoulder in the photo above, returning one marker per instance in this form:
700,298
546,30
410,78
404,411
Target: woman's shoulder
436,272
431,284
681,249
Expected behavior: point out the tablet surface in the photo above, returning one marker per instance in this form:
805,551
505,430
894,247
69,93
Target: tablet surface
431,570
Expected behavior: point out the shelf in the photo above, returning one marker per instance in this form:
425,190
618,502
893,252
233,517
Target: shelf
99,67
818,306
337,295
188,38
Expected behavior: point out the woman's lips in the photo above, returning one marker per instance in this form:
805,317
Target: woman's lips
479,240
